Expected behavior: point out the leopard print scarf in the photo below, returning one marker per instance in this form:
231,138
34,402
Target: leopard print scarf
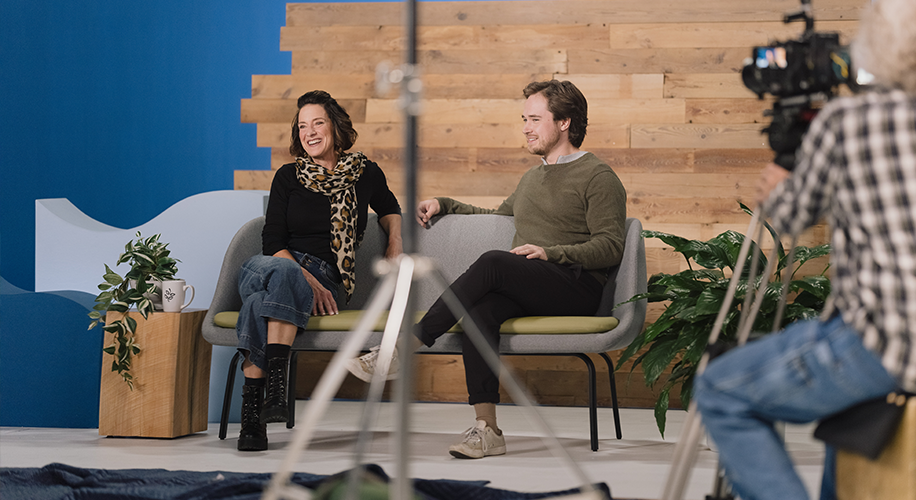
340,186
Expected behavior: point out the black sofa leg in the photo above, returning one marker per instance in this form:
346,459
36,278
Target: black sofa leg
592,400
227,397
614,405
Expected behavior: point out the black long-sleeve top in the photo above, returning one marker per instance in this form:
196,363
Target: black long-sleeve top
299,219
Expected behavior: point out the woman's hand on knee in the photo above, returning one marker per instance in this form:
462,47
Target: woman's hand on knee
323,303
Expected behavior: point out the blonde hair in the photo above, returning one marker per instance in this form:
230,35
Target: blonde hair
886,43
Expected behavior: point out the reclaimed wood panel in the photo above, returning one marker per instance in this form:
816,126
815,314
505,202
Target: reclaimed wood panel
676,135
283,110
436,86
564,12
603,111
605,86
681,35
722,111
706,85
483,62
665,60
442,380
668,111
488,135
392,37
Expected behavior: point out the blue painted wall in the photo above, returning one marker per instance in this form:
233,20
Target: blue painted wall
136,102
124,108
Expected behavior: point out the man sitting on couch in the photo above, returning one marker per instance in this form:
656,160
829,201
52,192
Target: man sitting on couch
569,214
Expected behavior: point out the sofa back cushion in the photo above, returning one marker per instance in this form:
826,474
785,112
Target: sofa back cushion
453,242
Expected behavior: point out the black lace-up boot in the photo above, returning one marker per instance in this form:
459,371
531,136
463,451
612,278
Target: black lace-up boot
276,408
254,431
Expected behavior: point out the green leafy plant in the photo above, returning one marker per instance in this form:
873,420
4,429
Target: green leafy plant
149,263
694,296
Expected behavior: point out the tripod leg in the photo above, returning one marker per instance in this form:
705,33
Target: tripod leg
327,386
721,490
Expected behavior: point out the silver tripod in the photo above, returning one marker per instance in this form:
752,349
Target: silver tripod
395,289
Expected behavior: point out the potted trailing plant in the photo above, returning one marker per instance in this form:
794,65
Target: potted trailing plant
150,263
694,296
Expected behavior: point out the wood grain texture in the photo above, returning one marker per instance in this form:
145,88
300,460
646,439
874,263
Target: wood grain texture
375,37
480,62
728,34
171,380
563,12
891,475
668,111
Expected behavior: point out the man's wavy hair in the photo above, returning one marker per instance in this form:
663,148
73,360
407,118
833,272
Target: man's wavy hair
344,133
564,100
885,45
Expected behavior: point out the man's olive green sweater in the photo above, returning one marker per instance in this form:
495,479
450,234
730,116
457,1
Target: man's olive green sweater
575,211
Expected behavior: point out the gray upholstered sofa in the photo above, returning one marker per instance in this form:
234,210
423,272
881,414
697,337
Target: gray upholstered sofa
453,242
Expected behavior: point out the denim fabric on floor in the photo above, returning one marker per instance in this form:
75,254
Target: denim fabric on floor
811,370
63,481
274,287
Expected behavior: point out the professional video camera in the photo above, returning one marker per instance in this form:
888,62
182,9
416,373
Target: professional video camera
802,74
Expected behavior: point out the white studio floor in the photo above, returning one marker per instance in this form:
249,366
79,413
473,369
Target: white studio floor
635,467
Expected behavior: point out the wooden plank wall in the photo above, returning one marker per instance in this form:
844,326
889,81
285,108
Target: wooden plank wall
667,110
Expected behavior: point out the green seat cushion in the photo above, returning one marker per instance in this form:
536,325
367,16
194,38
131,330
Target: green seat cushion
528,325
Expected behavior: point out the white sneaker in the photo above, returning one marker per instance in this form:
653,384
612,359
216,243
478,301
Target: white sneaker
478,442
363,367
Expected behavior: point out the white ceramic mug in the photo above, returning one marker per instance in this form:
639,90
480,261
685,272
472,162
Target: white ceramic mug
173,293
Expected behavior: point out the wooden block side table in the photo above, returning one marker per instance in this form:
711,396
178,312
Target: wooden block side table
171,379
891,477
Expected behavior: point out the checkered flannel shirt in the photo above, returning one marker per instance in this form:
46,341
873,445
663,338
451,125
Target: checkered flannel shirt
857,169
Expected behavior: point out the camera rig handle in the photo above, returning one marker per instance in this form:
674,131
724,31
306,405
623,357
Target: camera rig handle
791,118
804,14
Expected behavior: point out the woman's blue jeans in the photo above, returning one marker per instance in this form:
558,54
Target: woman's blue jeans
809,371
275,288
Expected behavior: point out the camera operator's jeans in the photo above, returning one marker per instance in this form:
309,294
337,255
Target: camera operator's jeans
809,371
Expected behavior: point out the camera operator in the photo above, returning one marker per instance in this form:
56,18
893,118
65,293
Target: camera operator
856,169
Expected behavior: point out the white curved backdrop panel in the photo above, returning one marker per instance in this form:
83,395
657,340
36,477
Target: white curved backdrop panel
71,249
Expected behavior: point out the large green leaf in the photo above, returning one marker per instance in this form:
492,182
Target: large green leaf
119,306
687,389
631,349
678,243
677,307
780,250
720,252
680,285
804,254
818,286
703,275
710,301
695,350
658,358
798,312
660,325
661,411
